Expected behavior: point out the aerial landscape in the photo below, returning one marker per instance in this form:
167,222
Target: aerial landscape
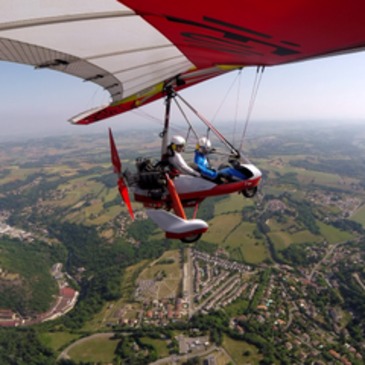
115,250
277,279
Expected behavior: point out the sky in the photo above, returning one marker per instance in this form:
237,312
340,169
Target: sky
39,102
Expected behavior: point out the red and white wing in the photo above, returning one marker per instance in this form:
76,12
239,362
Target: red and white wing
132,48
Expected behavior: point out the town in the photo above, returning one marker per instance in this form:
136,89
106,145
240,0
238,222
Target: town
277,297
289,303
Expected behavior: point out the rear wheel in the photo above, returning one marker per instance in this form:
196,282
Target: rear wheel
191,239
250,193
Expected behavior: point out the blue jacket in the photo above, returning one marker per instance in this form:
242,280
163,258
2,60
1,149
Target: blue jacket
203,165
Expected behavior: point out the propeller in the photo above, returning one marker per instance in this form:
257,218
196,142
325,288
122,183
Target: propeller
117,165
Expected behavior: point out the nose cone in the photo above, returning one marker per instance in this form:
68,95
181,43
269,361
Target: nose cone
256,173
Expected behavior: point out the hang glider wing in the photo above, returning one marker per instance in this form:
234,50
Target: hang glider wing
133,48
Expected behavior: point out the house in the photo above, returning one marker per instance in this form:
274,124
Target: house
67,292
335,354
7,315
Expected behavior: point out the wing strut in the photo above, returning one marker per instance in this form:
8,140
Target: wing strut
176,202
177,225
165,132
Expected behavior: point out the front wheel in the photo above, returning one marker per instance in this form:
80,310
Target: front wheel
250,193
191,239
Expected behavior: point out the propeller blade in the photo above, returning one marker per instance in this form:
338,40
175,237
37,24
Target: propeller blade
123,190
122,187
114,154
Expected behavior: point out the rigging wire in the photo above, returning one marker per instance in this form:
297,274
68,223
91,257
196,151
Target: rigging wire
209,125
147,116
255,90
237,104
225,97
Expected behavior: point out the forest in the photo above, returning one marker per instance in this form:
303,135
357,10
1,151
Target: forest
32,290
104,264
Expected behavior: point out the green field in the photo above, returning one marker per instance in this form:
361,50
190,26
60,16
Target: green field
172,269
242,238
241,352
17,174
168,274
359,215
160,346
233,203
316,177
227,230
57,340
94,349
220,227
332,234
282,239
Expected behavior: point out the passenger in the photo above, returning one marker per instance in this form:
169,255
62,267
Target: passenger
201,160
175,158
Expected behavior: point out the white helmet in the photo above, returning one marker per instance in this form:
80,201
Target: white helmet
178,140
204,142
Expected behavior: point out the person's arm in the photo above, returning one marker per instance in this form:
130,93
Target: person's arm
178,161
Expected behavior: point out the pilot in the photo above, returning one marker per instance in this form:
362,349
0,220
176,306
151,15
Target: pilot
175,158
223,175
203,147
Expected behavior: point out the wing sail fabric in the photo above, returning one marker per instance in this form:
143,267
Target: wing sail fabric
132,48
99,41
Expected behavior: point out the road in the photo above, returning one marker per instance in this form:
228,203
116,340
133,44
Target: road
357,278
189,281
173,359
325,257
